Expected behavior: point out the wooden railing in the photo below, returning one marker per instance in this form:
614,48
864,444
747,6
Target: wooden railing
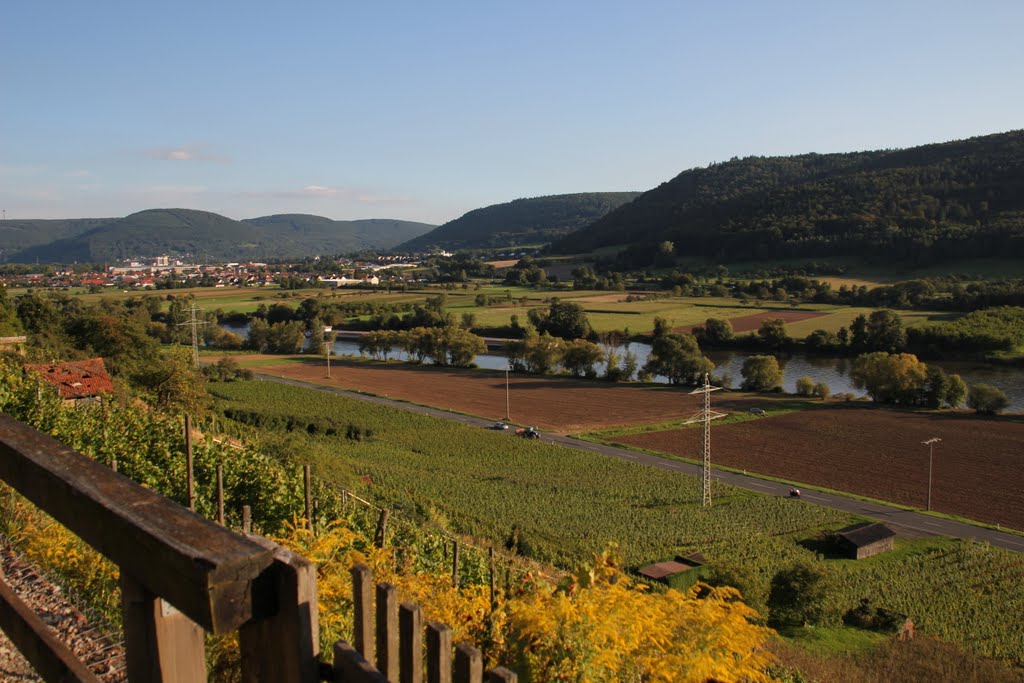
182,575
392,635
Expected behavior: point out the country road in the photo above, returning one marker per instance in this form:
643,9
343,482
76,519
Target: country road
914,523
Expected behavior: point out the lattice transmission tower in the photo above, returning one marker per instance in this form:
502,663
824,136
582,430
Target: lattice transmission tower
195,325
705,416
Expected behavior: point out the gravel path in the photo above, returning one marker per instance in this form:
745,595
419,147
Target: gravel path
103,654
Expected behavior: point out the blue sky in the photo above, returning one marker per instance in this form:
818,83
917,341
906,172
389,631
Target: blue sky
423,111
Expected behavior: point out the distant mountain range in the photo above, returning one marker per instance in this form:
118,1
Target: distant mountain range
200,235
521,222
934,203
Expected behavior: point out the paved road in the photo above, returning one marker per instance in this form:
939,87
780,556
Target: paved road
915,523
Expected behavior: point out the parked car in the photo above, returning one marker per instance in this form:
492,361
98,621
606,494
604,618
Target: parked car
500,426
756,411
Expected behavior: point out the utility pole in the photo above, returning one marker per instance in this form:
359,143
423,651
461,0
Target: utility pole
705,416
930,443
194,324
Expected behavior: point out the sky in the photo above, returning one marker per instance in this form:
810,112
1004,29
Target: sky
425,110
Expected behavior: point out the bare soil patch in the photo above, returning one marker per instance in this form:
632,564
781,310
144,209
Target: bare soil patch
752,322
561,405
978,468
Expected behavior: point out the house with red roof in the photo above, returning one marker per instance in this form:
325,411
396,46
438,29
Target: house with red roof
77,381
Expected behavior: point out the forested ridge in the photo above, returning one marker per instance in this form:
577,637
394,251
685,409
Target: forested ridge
200,235
914,206
536,220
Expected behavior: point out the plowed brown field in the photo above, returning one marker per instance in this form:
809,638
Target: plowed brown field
752,322
978,468
556,404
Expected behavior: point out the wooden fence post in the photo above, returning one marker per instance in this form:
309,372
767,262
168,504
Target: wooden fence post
382,529
410,626
189,482
362,606
455,564
220,494
469,664
439,653
387,631
349,665
309,496
113,463
161,644
246,519
344,498
500,674
284,647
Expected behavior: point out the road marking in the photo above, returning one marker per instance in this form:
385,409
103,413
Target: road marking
931,523
815,497
764,486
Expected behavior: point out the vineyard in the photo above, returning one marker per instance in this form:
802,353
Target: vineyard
564,505
443,481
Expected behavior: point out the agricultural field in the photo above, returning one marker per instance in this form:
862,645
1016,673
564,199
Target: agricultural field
565,504
978,468
606,310
555,404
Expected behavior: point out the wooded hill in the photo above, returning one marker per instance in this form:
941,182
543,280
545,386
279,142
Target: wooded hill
199,235
914,206
523,221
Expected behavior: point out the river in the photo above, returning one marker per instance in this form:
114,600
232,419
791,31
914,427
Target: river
833,371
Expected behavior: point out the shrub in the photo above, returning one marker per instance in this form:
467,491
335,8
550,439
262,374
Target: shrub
761,373
986,399
805,386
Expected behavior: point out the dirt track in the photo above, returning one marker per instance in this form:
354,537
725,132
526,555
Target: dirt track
978,468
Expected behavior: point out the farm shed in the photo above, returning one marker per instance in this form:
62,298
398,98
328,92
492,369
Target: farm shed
680,573
864,540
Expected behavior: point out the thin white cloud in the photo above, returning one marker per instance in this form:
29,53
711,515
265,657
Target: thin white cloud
348,194
198,152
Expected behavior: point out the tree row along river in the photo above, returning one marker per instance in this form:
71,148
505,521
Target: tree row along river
832,370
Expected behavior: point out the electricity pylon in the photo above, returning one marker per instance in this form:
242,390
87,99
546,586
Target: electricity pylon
194,324
706,415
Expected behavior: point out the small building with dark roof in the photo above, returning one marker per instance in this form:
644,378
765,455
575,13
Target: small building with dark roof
680,573
80,381
864,540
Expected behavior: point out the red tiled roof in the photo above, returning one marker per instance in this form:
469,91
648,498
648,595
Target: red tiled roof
76,379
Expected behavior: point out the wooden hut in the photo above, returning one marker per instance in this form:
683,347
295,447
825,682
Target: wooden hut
680,573
864,540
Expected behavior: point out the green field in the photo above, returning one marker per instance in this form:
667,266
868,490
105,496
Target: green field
604,311
567,504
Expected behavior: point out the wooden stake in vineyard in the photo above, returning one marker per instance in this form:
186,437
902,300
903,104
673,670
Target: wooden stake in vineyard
705,416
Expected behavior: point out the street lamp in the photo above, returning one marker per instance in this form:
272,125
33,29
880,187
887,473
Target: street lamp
508,366
327,347
930,443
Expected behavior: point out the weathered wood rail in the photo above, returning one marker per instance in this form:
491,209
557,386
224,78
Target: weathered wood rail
182,575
